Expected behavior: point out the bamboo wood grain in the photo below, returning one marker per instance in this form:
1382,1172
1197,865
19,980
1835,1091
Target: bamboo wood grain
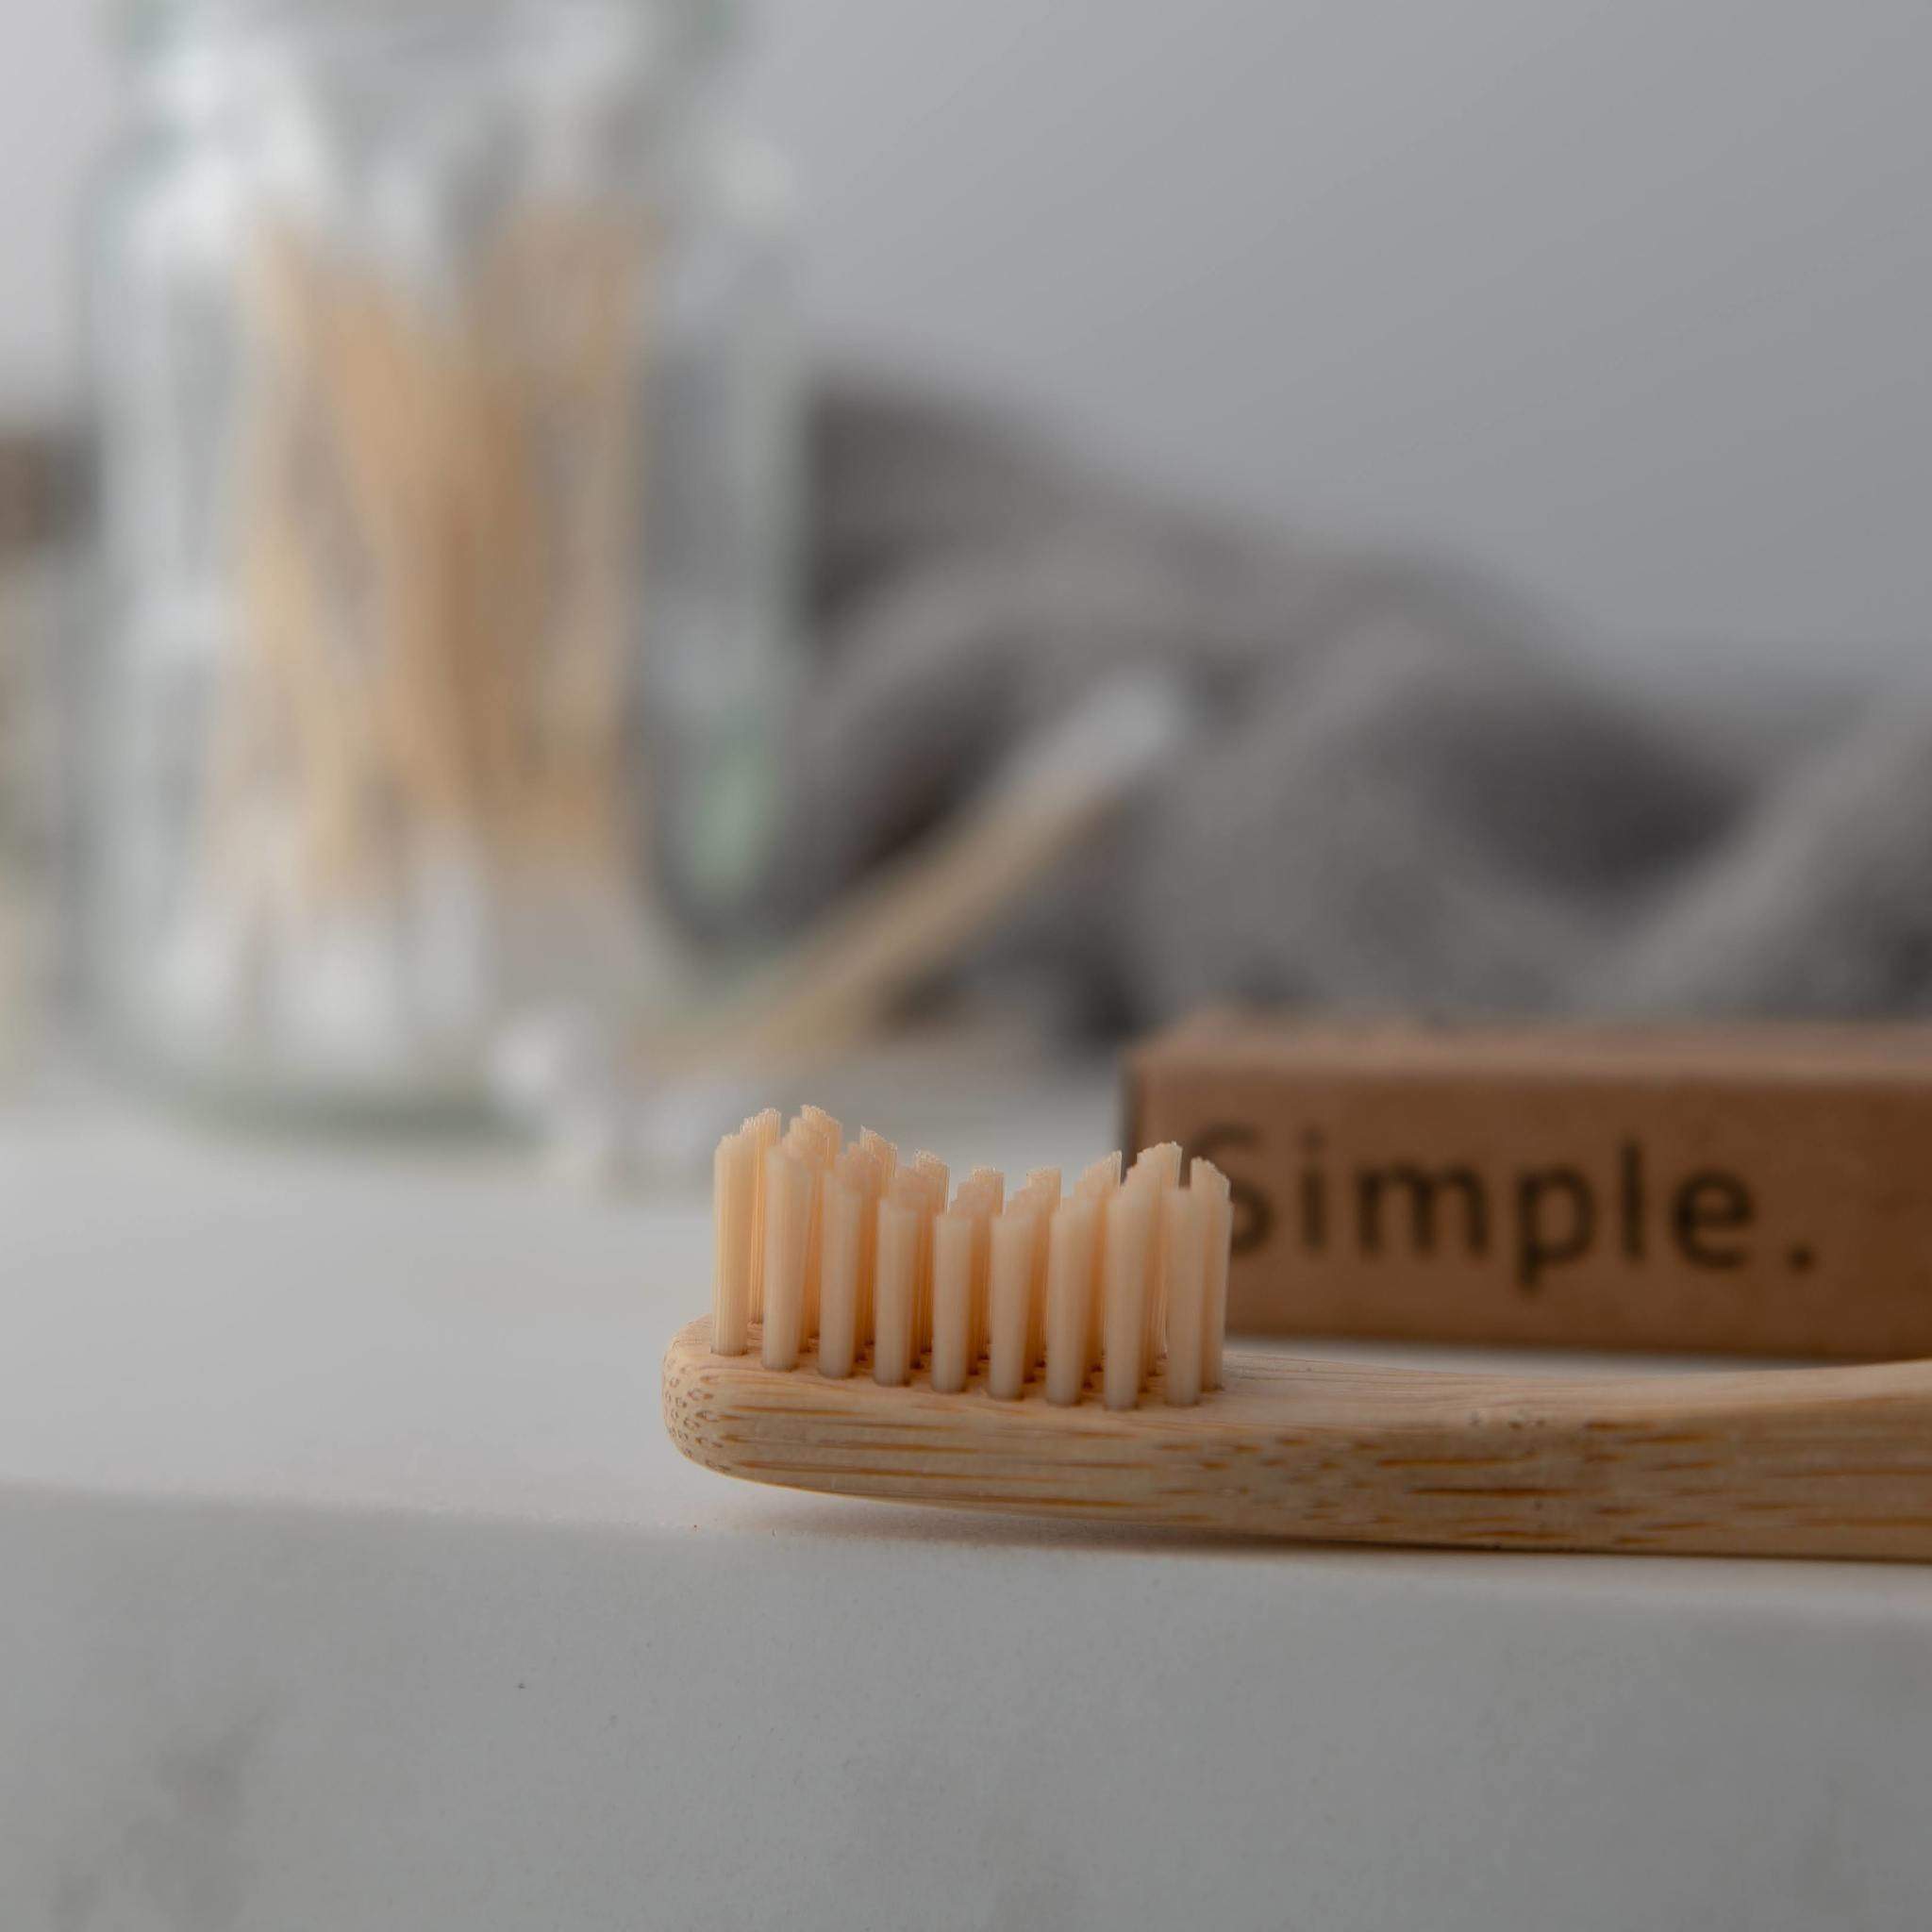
1793,1463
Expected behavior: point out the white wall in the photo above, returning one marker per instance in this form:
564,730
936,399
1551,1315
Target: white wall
56,108
1632,296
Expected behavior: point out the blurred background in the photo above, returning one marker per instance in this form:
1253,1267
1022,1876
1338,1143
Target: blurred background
1628,301
571,570
1130,506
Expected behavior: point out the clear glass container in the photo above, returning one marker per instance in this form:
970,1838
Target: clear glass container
448,461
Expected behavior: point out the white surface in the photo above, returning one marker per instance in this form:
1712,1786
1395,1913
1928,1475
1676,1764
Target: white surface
1630,299
347,1581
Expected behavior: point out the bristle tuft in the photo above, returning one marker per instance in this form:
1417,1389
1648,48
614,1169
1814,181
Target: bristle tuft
848,1257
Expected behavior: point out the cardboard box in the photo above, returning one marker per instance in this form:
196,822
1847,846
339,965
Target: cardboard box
1749,1189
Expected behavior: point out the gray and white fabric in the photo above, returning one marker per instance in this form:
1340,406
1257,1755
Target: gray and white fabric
1403,791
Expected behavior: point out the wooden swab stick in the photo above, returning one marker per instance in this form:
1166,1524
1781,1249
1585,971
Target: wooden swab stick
435,638
833,985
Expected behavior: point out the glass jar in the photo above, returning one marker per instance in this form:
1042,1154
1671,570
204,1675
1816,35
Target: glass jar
447,421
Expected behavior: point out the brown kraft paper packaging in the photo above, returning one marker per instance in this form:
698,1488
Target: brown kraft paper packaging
1739,1187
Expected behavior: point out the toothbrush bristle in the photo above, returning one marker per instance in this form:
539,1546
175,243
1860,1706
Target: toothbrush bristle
847,1259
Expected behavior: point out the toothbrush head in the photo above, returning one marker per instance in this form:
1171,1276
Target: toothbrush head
844,1260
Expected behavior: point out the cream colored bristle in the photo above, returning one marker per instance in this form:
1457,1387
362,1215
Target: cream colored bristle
880,1150
842,1217
1163,1161
870,1173
1036,1297
981,1196
1131,1214
904,1218
1147,1176
951,1300
1038,1197
819,1155
764,1137
787,1210
1011,1314
982,1193
982,1270
932,1173
1160,1168
1071,1252
1183,1213
1100,1178
1098,1183
1153,1314
1217,1242
733,1202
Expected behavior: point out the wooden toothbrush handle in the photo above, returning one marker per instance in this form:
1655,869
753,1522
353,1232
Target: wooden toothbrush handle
1793,1462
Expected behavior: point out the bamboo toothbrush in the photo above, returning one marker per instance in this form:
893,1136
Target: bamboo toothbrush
1059,1353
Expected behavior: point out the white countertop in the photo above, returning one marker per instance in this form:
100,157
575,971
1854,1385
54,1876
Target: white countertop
347,1581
